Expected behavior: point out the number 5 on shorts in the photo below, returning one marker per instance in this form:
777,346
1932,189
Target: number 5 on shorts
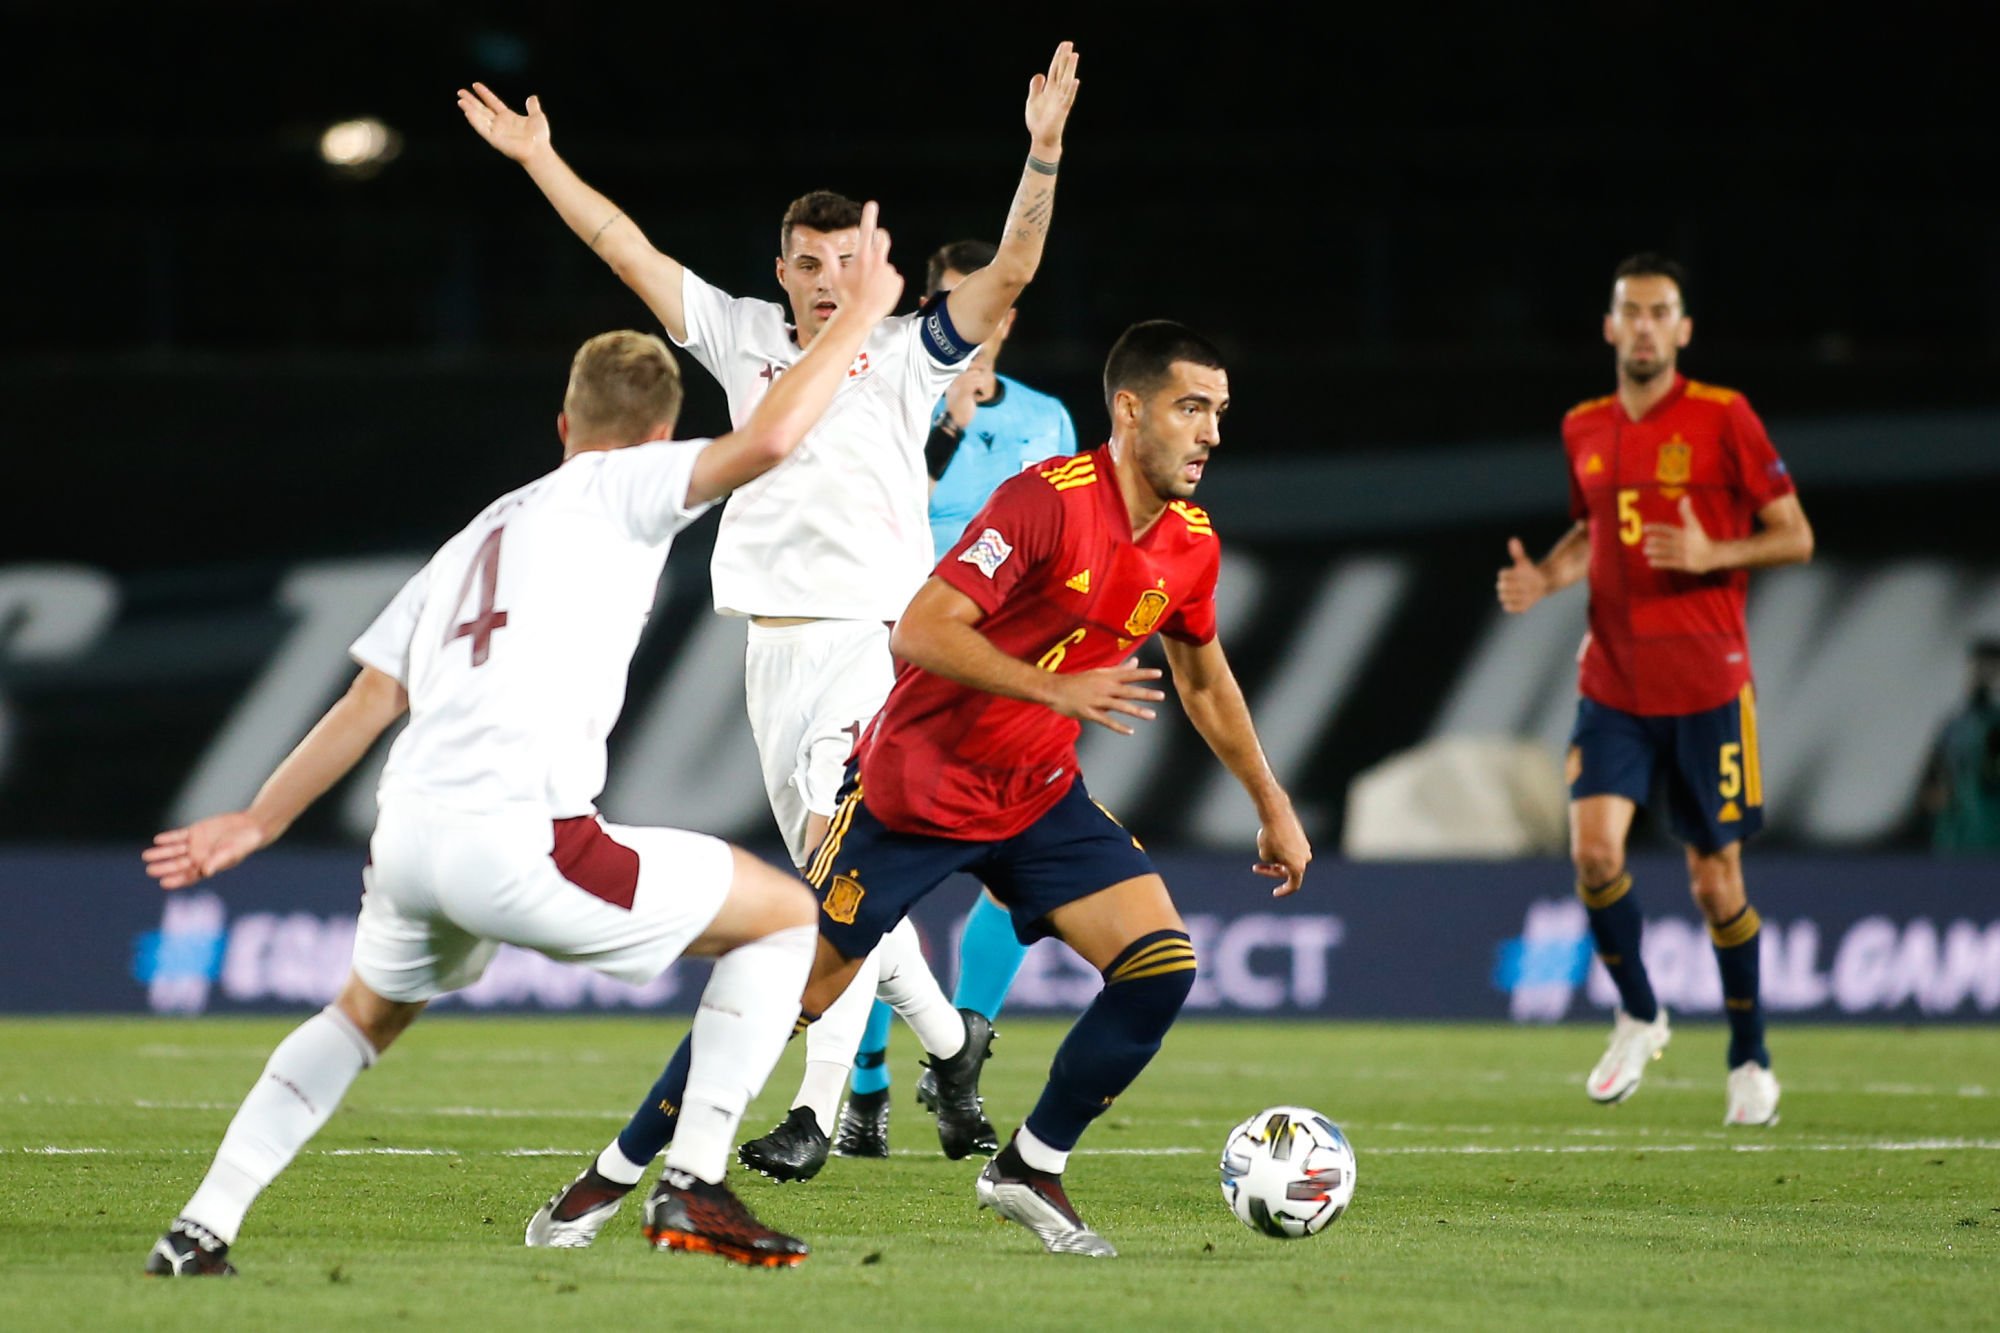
1732,771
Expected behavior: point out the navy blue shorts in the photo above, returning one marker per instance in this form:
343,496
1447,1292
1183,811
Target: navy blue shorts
868,876
1708,761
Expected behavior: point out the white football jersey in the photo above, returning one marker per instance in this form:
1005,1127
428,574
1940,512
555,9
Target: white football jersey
514,641
841,529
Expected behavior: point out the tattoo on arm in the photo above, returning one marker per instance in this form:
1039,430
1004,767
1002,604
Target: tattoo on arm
594,236
1045,168
1033,221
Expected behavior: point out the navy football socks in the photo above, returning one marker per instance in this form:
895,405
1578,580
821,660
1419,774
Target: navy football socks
1115,1037
1736,952
651,1127
1616,927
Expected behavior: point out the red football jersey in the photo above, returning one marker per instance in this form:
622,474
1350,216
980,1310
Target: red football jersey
1052,562
1662,642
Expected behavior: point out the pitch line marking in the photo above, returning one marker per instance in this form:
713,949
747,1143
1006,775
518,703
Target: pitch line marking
173,1051
1432,1150
468,1112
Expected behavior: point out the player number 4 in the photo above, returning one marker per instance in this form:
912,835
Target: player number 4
485,567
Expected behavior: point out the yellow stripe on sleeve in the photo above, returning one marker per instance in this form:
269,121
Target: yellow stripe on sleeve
1753,771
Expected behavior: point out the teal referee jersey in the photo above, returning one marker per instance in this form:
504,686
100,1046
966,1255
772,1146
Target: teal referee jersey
1018,428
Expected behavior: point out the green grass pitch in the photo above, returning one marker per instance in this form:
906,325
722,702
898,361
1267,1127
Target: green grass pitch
1492,1194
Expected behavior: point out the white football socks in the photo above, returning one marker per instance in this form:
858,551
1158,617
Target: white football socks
745,1019
907,986
831,1041
301,1085
896,973
617,1168
1037,1154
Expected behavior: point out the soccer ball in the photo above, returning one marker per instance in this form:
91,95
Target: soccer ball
1287,1171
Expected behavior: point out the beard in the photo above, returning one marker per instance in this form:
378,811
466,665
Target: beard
1163,475
1645,371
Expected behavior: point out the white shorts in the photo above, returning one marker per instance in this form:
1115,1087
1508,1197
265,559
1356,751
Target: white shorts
446,888
811,690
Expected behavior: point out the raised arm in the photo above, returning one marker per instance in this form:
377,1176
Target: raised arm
183,856
866,290
977,305
601,224
1524,582
1214,704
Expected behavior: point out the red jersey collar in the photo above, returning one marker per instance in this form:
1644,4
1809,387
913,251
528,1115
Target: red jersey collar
1114,499
1673,396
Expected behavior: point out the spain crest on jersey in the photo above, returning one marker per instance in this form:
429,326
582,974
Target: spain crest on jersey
1152,605
843,899
1676,465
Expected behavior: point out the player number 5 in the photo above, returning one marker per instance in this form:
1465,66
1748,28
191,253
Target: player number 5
1629,525
1732,771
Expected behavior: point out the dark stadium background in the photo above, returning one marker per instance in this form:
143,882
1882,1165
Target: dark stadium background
222,358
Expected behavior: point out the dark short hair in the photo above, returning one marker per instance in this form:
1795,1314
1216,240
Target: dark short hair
822,210
958,257
1144,356
1650,264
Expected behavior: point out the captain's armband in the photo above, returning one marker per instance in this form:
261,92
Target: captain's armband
942,339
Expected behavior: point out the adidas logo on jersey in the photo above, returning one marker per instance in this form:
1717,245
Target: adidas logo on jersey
1078,582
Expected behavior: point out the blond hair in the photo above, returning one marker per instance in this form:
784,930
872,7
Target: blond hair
622,386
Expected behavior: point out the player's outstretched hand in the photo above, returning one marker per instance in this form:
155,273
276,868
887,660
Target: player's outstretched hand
1050,97
1685,548
1103,695
1522,583
975,385
518,137
869,284
1283,851
183,856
